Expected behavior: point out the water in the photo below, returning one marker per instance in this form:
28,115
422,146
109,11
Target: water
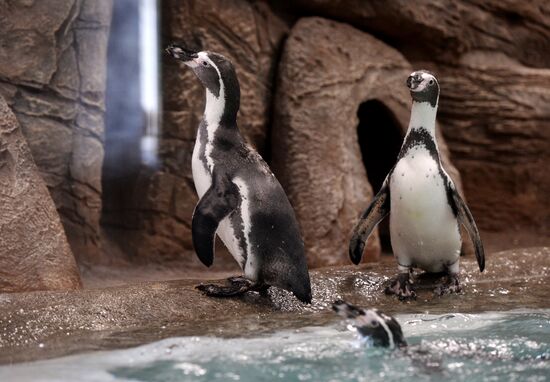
512,346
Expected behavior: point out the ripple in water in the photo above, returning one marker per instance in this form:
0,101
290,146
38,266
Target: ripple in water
481,347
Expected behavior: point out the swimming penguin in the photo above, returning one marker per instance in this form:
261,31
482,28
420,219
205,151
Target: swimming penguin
372,324
240,199
426,209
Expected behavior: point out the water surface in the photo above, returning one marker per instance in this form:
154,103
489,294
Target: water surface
462,347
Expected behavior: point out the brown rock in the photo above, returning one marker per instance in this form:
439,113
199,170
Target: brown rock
34,253
28,33
441,30
318,139
60,50
497,119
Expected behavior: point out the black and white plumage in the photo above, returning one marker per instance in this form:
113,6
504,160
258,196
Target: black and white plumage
424,206
240,199
381,328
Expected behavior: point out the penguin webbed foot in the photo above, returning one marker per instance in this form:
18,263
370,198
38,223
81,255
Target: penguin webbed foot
402,287
237,286
449,286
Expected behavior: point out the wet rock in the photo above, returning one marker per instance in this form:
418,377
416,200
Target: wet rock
93,319
34,252
250,35
56,89
316,153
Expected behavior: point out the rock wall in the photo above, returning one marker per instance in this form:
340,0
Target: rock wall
52,74
34,252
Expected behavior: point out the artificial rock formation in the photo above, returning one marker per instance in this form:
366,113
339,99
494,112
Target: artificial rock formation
150,220
497,122
34,252
52,74
316,148
442,30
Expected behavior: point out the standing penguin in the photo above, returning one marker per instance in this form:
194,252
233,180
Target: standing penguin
426,209
240,199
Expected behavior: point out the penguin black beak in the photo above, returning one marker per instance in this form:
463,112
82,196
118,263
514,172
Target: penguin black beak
181,53
413,81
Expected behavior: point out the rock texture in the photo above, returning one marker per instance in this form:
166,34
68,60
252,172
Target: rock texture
150,218
442,30
52,73
502,144
493,62
322,83
34,252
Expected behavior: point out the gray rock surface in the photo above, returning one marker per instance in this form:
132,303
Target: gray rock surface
315,143
56,89
118,317
34,252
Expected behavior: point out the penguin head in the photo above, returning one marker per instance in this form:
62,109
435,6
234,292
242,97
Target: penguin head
424,87
212,69
382,329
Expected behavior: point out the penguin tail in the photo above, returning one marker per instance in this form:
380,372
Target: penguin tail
297,283
304,296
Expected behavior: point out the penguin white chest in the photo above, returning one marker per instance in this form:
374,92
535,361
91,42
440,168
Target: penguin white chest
202,178
424,231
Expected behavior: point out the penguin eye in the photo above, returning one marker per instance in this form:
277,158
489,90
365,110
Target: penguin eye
431,82
205,63
374,323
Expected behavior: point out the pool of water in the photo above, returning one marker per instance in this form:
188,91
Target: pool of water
511,346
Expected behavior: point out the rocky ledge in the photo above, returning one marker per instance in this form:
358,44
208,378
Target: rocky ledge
49,324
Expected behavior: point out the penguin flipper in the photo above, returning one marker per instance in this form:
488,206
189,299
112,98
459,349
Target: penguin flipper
218,202
466,218
378,210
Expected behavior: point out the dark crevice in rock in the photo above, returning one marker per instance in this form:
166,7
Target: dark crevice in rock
380,137
276,61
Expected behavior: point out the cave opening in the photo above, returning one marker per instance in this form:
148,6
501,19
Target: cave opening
380,137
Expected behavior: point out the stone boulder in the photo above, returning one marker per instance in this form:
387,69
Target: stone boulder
34,252
151,215
56,90
341,97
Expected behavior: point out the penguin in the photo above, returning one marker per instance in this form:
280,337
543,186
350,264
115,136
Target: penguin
241,201
423,203
381,329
